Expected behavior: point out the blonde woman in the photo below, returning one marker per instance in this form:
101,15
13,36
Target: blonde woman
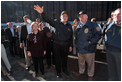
36,46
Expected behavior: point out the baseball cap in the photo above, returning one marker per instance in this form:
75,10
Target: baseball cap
26,16
81,12
64,12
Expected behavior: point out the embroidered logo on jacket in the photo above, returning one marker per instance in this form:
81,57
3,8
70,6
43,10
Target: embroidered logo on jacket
86,30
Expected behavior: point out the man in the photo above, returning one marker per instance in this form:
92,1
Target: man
14,27
49,39
25,30
113,45
38,20
62,37
10,32
17,36
87,35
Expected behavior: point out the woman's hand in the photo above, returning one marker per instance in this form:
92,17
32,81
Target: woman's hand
29,54
38,8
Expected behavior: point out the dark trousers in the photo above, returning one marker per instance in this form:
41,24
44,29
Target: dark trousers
49,57
114,65
13,49
38,61
20,51
60,55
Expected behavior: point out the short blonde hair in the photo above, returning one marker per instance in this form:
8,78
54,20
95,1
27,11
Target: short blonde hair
33,24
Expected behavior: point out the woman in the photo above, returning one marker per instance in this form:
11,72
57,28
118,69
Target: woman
74,30
36,46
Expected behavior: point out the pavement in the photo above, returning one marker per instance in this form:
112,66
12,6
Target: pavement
20,74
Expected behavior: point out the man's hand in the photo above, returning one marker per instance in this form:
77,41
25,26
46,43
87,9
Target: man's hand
21,45
44,52
29,54
70,49
38,8
89,42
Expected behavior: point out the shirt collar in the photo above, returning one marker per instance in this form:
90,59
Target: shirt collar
118,23
86,23
64,23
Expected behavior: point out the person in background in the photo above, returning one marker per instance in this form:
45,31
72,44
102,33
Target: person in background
87,35
62,39
3,52
49,39
113,48
112,15
38,20
25,30
36,46
41,26
14,27
75,24
10,33
20,51
94,20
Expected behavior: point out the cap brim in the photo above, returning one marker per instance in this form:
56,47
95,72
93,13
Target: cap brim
65,13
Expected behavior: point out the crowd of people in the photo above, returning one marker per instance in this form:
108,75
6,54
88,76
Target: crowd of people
35,41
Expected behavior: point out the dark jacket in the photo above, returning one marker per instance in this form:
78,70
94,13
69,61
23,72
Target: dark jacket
9,34
23,34
89,32
62,33
48,35
37,49
113,42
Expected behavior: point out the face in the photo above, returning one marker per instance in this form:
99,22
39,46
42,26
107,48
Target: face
10,25
25,20
83,18
117,16
64,18
35,27
38,20
42,25
14,26
75,22
18,29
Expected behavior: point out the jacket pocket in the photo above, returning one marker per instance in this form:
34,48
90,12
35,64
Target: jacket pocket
86,47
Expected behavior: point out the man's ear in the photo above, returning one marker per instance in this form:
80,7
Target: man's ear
60,17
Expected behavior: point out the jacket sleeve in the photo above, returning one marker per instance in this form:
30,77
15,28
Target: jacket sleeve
48,19
6,34
28,43
71,38
96,34
21,34
44,43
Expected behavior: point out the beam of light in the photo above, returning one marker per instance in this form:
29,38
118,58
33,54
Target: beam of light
74,57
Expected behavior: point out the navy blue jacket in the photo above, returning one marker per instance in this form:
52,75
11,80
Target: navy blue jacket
113,42
89,32
62,33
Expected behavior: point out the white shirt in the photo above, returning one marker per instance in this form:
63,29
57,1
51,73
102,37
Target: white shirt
29,28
